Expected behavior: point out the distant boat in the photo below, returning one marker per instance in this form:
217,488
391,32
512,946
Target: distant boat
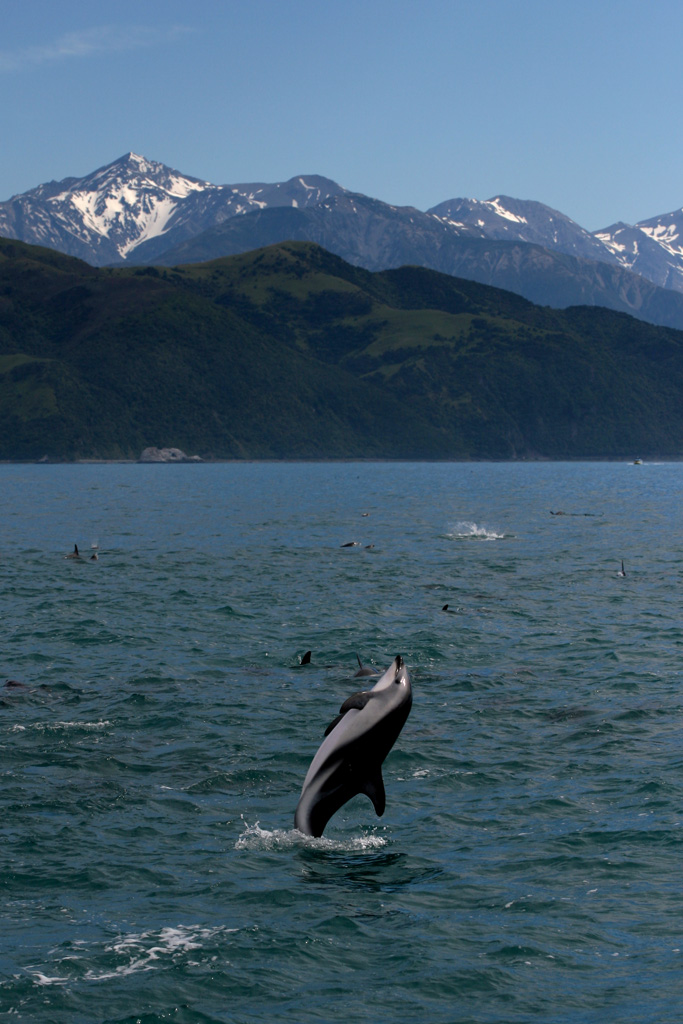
637,462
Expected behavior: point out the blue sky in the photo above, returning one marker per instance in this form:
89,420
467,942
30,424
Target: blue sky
573,103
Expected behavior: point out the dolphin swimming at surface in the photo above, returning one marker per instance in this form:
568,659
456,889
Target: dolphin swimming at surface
349,760
364,670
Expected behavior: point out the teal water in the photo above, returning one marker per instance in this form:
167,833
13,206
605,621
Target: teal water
528,865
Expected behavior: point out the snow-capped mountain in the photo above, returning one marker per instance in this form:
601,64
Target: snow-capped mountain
652,248
518,220
138,207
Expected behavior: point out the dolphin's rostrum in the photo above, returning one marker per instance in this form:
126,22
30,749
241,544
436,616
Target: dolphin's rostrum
349,760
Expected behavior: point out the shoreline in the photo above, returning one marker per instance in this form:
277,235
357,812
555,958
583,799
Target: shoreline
345,460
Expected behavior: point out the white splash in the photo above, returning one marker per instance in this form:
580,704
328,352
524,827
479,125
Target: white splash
256,838
472,531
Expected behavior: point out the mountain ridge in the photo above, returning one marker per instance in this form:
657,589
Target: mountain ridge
138,211
532,271
289,352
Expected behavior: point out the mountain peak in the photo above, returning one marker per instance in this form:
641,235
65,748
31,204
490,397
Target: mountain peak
134,166
524,220
138,162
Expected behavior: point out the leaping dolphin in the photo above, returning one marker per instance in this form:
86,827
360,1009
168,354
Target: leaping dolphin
349,760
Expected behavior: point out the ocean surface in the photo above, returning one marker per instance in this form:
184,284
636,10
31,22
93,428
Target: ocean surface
159,724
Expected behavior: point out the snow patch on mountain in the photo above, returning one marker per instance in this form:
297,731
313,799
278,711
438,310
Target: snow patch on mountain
497,207
666,235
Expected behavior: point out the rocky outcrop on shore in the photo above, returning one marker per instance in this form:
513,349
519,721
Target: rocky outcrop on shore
167,455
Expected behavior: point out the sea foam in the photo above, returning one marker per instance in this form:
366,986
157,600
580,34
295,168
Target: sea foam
473,531
256,838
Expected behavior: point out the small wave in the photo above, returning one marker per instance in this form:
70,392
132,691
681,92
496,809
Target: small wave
43,979
256,838
472,531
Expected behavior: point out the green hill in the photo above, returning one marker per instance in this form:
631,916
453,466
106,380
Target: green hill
289,352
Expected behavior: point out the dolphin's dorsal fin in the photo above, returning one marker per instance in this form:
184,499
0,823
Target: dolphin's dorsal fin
356,701
374,788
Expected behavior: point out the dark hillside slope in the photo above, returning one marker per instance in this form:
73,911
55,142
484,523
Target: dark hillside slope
289,352
100,363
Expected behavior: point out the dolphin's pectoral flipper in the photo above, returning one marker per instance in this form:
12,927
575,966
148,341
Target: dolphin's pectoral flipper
356,701
373,787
